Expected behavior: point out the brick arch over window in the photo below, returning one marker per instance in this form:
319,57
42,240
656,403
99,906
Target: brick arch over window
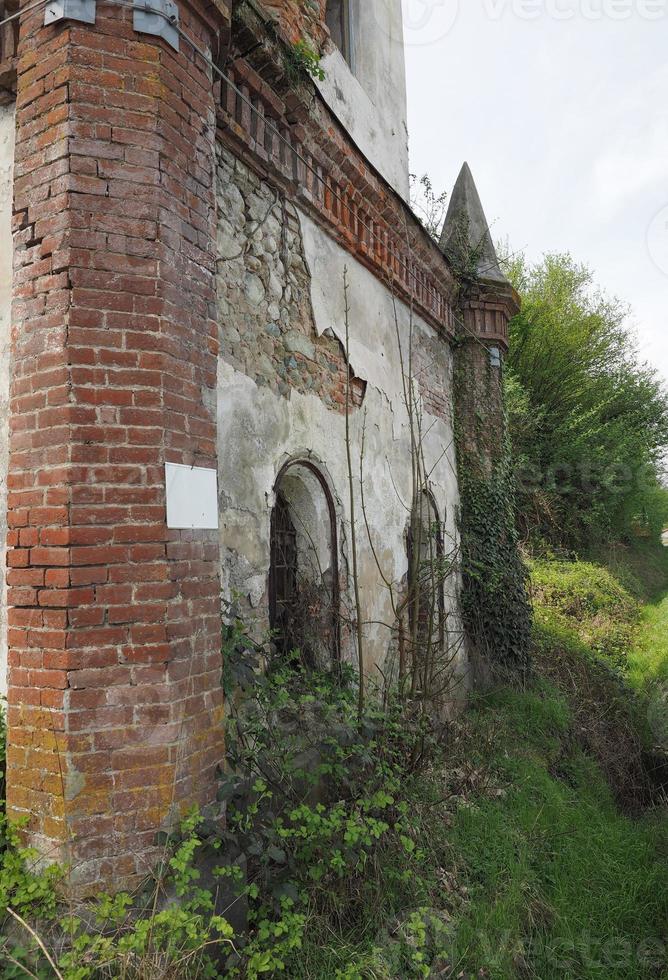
304,570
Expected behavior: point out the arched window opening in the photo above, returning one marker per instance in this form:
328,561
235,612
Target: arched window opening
426,572
304,575
339,21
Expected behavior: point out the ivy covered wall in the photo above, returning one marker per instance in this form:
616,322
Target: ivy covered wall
495,604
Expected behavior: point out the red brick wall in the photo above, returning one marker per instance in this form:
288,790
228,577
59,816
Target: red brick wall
298,20
114,700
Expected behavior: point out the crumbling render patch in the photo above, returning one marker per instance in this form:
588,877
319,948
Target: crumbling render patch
267,329
378,324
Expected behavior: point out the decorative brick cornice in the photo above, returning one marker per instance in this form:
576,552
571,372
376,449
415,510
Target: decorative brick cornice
317,165
487,308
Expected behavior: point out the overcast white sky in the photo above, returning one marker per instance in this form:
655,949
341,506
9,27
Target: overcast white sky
564,123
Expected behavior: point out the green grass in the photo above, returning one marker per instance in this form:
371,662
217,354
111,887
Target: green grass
526,863
547,874
648,661
642,568
590,602
545,877
648,672
561,883
600,611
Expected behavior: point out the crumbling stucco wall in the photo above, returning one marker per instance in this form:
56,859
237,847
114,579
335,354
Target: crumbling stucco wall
6,190
281,397
370,100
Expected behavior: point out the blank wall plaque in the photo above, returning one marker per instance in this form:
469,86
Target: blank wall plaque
192,497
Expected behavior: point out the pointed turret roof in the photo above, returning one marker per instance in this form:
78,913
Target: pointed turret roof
466,232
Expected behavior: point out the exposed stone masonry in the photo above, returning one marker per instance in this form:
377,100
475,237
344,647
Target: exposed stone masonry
337,187
264,305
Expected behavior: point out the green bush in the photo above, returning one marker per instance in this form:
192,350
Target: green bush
386,846
3,760
588,419
591,602
319,817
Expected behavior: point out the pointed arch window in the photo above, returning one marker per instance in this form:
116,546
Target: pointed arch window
339,17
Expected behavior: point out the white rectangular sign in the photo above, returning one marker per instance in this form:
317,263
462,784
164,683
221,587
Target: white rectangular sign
192,497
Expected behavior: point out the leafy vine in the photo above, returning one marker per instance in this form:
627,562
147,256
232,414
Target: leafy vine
495,605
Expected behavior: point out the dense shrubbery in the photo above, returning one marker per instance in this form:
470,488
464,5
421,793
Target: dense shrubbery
320,834
589,421
379,849
590,601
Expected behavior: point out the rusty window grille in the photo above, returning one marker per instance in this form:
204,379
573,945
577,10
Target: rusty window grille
283,572
425,547
304,593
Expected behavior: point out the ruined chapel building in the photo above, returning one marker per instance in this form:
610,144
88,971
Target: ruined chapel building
181,201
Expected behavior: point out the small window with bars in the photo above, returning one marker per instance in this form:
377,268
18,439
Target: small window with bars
283,586
303,572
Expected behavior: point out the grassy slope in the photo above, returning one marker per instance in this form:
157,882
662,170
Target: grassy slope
644,572
531,867
560,881
564,884
648,662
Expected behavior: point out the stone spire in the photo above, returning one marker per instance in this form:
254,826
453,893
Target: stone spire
465,236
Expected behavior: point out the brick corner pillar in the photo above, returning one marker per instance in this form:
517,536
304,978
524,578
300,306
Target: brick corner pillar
115,705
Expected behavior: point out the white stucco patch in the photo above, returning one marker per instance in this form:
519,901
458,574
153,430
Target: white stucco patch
370,101
6,191
372,316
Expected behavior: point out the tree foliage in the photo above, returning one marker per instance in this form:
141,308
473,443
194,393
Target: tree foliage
588,419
